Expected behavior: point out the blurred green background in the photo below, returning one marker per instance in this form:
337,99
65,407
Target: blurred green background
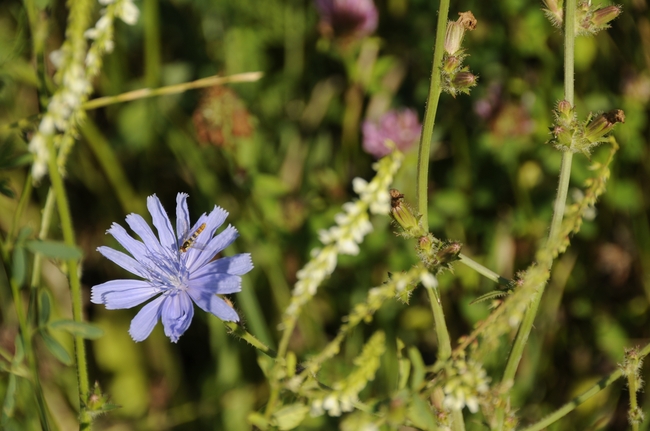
276,155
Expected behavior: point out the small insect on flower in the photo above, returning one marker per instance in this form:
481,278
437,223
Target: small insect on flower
175,277
188,242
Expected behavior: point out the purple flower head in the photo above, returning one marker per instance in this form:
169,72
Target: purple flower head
347,18
177,268
402,127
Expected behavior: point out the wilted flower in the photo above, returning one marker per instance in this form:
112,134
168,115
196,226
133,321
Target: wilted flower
347,18
221,117
401,127
178,268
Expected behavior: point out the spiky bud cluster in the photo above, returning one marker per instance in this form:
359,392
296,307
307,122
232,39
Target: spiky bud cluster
569,134
457,78
435,254
590,19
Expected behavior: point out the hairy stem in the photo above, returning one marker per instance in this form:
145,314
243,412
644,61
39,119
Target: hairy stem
560,202
435,89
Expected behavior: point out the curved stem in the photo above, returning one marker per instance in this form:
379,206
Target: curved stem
435,88
171,89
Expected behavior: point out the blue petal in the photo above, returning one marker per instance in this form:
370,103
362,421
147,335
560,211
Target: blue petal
117,294
239,264
216,283
214,246
211,303
123,260
130,244
177,312
139,226
161,221
144,322
182,216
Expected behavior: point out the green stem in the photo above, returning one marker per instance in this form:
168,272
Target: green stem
239,331
444,346
20,209
559,207
430,115
171,89
85,418
633,388
444,342
485,272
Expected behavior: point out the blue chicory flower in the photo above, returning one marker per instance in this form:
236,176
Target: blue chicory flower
176,268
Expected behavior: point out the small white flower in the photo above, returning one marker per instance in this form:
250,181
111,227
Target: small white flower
128,12
56,57
428,280
38,147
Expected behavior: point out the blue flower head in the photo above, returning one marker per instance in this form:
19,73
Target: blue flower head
177,268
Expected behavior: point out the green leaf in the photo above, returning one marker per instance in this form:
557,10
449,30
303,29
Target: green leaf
78,329
290,416
18,266
418,367
44,307
19,354
258,420
419,413
54,249
56,348
404,372
6,190
10,397
491,295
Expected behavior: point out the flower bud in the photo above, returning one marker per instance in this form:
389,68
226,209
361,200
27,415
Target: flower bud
425,244
454,37
604,15
603,124
564,110
456,31
451,64
463,81
554,12
403,215
449,253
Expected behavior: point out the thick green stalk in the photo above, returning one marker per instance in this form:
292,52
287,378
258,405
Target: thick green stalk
85,418
430,115
424,153
560,202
